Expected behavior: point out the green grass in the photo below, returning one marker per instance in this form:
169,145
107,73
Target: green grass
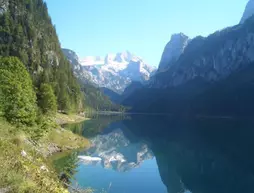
67,140
23,174
71,118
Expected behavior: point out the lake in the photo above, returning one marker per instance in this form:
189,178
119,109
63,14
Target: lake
160,154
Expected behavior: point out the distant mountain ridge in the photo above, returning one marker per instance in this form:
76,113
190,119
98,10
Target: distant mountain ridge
115,71
120,57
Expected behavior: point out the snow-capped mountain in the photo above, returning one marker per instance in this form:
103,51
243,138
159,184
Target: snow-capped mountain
115,151
115,71
91,60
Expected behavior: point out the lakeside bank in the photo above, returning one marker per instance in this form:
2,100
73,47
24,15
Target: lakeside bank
24,163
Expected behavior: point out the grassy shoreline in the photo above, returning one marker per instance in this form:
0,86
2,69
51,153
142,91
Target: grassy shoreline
72,118
24,165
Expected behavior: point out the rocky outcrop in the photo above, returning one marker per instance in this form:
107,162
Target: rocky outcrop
248,12
79,72
3,6
73,58
174,48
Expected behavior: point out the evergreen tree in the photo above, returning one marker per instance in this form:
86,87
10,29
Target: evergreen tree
47,99
17,99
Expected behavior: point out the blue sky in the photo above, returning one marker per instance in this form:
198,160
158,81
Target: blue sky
98,27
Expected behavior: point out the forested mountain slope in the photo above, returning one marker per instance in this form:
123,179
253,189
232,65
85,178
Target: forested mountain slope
26,31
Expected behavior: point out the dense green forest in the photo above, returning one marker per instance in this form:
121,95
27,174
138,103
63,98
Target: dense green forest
27,32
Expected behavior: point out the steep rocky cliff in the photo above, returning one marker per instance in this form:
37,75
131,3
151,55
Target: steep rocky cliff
212,58
248,12
173,50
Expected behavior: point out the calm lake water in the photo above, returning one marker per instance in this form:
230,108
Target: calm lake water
160,154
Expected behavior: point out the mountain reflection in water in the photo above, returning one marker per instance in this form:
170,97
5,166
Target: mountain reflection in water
208,156
117,152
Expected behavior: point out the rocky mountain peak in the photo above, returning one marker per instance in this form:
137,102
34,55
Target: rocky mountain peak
92,60
109,58
248,12
178,36
172,51
115,71
125,56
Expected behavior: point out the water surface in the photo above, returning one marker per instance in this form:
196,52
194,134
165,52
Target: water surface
159,154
